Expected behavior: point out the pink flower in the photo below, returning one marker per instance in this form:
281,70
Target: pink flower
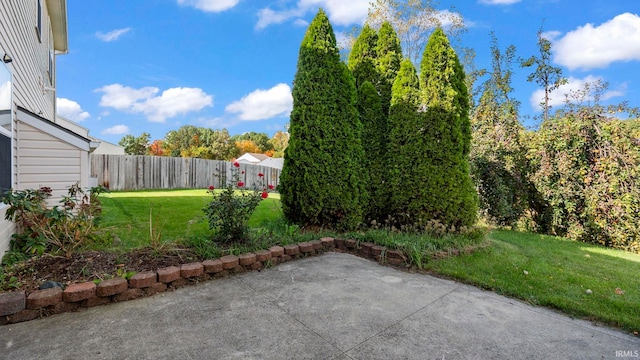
270,187
240,184
260,174
211,187
264,195
236,164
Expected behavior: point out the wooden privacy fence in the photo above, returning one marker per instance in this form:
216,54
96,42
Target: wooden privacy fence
137,172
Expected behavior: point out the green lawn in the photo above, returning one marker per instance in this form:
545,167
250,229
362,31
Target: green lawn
170,215
577,278
557,273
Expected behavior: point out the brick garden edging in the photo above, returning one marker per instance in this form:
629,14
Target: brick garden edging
19,306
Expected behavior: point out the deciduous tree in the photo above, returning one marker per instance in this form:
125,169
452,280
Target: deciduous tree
135,145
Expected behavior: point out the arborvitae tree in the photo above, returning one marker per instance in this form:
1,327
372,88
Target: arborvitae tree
404,123
389,53
323,181
363,55
374,135
446,131
442,82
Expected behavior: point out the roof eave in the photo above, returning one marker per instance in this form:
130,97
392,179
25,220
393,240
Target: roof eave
58,15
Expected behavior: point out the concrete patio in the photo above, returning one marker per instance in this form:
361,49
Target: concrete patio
334,306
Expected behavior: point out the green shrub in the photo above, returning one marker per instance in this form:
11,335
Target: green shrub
229,211
61,228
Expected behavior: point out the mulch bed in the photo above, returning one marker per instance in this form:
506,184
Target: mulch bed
91,265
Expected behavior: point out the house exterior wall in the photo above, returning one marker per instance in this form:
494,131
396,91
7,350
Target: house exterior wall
30,54
6,230
107,148
49,156
33,84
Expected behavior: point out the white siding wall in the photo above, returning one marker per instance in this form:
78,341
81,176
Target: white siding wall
30,66
44,160
6,230
30,73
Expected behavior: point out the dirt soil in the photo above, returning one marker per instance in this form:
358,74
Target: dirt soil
91,265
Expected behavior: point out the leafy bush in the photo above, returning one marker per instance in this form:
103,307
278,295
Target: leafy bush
61,228
229,211
588,171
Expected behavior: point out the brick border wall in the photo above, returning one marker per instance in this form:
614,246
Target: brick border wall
17,306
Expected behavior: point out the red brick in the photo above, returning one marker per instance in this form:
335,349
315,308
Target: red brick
112,287
263,255
395,254
79,292
396,261
191,270
247,259
24,315
178,283
95,301
328,242
155,288
229,262
317,244
130,294
256,266
292,249
63,307
168,274
305,247
12,302
350,243
212,266
276,251
365,248
43,298
143,280
221,274
377,250
284,258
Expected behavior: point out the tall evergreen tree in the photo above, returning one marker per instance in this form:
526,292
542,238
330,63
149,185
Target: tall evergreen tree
322,181
442,82
363,55
443,157
374,140
389,51
404,139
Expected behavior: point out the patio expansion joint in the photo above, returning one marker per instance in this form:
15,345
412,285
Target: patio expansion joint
274,301
403,319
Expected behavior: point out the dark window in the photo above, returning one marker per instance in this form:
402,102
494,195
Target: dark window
39,24
5,163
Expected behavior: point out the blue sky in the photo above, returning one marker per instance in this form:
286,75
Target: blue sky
155,65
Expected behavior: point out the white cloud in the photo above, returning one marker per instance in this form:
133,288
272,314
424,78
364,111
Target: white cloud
123,97
5,96
590,47
210,5
558,97
116,130
71,110
171,103
499,2
268,17
263,104
340,12
112,35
